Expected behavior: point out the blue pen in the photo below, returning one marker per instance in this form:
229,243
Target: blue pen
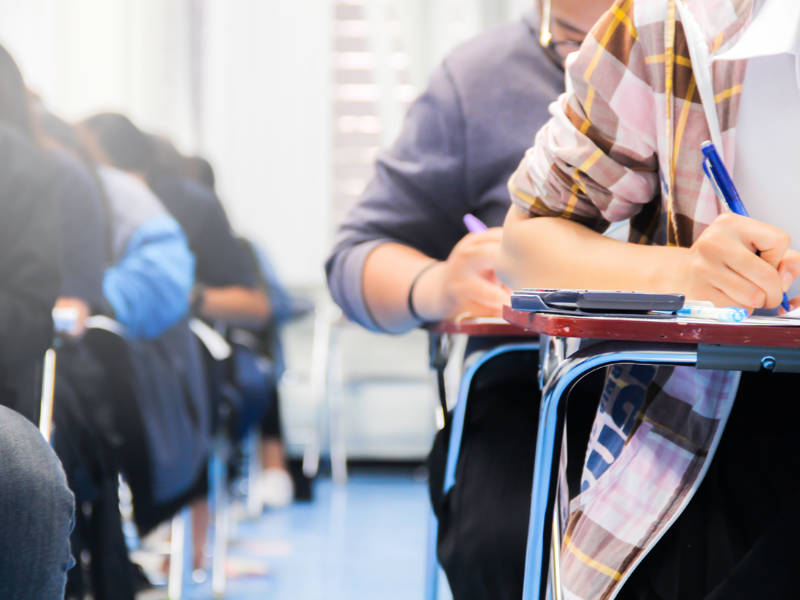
474,224
725,190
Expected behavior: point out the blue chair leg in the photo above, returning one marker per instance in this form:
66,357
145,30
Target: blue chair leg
180,554
431,564
218,497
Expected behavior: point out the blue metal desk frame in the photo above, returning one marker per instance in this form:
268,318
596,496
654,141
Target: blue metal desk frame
557,379
559,373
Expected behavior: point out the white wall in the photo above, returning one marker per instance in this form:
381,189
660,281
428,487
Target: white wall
266,124
88,55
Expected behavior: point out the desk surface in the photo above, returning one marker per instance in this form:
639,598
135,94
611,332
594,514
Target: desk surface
653,330
482,327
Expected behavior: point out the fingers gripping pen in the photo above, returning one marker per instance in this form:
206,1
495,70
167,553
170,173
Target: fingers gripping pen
725,190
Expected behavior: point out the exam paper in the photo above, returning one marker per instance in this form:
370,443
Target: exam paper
789,319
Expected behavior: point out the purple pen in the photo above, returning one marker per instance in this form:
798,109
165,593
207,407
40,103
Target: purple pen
474,224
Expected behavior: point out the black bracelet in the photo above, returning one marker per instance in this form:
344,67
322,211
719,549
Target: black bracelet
410,299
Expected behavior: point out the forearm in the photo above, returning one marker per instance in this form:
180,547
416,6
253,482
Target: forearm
388,273
236,305
551,252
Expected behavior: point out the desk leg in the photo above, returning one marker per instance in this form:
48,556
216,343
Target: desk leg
555,388
555,552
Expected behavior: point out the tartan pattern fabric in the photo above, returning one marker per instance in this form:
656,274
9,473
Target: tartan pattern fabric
623,143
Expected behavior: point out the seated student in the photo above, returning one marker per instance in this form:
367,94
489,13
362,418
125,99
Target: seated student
225,287
402,256
712,456
276,486
146,286
36,506
121,253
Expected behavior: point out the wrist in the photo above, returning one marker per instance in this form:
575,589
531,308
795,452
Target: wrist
668,273
426,295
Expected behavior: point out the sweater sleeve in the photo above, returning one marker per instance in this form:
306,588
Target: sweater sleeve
149,287
416,195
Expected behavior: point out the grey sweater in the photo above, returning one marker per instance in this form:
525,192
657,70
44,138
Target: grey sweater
460,142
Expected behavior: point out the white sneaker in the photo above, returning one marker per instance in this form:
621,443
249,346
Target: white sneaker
275,488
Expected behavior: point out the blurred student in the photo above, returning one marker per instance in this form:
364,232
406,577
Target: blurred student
673,507
230,287
225,288
36,506
276,486
233,289
145,286
120,254
403,257
15,117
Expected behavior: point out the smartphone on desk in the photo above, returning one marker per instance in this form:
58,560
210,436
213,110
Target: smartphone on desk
594,301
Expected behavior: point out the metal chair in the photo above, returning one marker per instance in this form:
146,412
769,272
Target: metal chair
472,366
181,544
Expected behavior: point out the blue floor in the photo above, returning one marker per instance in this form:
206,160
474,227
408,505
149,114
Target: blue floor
365,539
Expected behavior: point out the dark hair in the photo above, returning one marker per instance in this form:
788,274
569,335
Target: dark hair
166,160
15,106
126,146
199,169
58,130
73,139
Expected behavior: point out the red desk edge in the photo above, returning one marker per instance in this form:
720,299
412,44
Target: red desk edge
481,329
653,330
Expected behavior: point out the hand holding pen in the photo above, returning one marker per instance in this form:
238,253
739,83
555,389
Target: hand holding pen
745,262
464,283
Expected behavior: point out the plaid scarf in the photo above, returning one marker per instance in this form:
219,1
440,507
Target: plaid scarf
625,143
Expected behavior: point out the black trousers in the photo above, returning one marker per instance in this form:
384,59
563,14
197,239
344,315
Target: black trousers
271,427
483,520
738,537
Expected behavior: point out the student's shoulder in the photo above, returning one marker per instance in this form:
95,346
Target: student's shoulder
21,159
26,171
129,196
184,192
493,52
73,174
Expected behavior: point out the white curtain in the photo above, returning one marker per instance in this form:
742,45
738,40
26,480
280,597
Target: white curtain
266,124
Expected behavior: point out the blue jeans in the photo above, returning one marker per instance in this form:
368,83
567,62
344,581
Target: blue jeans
36,513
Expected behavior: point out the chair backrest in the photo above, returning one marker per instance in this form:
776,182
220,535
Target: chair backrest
161,416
